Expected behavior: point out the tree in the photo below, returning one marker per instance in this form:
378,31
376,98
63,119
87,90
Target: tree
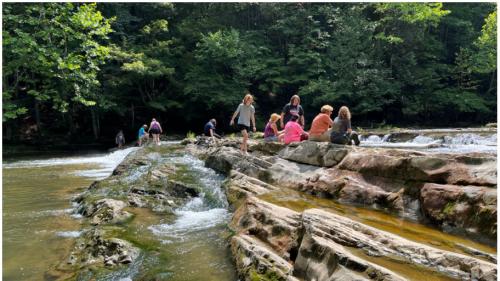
52,54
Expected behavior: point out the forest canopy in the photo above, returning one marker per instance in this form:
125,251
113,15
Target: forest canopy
93,69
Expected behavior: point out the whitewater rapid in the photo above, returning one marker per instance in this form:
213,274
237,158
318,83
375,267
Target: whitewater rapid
105,163
456,143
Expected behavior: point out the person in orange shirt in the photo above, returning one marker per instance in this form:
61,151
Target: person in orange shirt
320,127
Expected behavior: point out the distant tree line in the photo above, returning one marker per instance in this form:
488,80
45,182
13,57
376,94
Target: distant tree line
92,69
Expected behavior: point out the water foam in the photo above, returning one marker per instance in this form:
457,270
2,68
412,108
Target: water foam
107,163
456,143
69,234
200,213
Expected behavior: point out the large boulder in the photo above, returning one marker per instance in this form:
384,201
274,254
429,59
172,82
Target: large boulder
315,153
475,169
469,207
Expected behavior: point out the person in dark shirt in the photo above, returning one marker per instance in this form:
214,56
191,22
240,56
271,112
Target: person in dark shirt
120,139
290,109
209,129
342,132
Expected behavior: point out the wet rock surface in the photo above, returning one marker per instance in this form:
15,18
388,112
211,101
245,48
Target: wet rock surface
141,180
453,191
319,245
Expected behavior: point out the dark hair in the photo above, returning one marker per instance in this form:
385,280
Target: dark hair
294,118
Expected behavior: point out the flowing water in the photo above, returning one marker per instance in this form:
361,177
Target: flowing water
450,143
191,244
40,225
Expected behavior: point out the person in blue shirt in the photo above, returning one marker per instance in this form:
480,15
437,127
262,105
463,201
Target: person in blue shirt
209,129
142,134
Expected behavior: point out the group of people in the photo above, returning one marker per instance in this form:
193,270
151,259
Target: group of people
143,136
291,122
323,128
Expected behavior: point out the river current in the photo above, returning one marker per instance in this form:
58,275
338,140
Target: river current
40,223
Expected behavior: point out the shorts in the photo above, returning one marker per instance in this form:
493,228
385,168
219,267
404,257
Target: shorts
271,138
242,127
155,131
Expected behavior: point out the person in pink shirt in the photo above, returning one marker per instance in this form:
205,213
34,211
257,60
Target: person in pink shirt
293,130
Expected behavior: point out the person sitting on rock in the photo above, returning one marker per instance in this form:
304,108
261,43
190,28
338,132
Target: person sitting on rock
271,132
293,131
292,108
320,127
143,137
341,128
209,129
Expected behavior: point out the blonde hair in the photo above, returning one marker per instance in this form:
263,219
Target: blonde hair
294,97
326,108
246,98
274,117
344,113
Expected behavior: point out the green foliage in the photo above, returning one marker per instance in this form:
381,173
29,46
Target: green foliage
185,63
53,53
190,135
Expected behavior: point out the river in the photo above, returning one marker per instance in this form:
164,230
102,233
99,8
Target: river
40,224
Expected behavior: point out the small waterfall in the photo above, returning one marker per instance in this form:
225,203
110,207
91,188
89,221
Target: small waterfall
106,162
455,143
203,212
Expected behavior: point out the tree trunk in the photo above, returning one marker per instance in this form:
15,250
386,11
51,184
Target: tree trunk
37,118
133,116
492,81
95,127
8,131
71,123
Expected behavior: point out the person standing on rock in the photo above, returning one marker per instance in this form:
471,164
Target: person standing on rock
120,139
271,132
293,131
320,127
341,128
292,108
246,113
143,137
209,129
155,129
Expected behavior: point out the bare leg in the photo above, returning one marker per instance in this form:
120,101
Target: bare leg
244,143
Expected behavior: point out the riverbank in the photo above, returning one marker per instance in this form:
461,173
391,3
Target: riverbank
406,212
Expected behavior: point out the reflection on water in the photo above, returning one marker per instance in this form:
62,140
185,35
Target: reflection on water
39,226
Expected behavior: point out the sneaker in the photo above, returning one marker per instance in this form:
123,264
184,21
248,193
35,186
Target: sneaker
355,138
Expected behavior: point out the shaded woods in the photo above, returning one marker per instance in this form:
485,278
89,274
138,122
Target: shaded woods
85,71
